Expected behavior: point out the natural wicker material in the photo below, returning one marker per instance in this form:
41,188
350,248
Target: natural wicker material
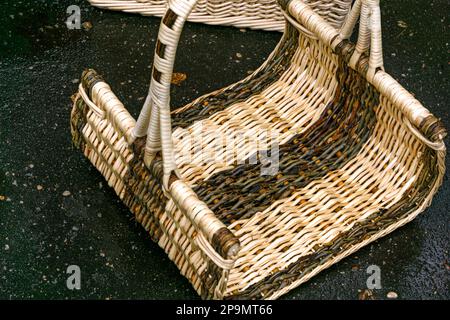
254,14
359,157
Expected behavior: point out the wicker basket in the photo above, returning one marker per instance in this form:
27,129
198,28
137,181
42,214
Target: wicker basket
253,14
357,156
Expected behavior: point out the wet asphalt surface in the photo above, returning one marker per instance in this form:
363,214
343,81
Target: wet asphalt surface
42,231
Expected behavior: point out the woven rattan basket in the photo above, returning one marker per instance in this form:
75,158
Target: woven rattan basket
253,14
263,184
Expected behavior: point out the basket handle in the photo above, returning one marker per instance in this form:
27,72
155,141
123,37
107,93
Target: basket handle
369,36
154,119
215,239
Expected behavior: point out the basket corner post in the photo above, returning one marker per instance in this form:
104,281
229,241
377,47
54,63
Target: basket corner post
227,245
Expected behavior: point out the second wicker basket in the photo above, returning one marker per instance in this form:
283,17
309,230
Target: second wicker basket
253,14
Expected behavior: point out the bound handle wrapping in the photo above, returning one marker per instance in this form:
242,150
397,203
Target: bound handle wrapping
154,120
369,37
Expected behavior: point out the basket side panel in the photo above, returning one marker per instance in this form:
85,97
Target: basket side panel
141,190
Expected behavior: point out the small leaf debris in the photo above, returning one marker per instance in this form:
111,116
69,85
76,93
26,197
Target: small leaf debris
87,25
355,267
74,97
402,24
178,78
392,295
366,294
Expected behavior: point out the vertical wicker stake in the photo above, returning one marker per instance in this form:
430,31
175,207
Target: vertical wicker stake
359,156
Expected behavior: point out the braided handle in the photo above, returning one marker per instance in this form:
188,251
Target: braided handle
369,37
215,239
154,119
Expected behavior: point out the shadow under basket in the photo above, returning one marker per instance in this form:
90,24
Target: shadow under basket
358,157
